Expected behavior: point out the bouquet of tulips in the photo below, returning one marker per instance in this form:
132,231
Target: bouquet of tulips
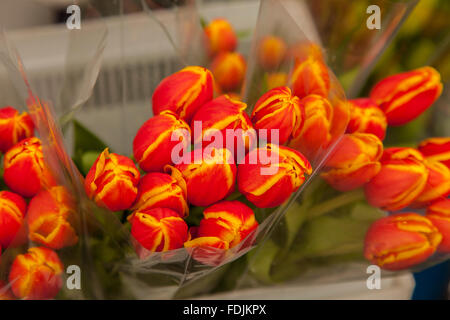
290,169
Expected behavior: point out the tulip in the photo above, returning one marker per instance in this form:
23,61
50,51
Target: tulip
405,96
209,178
314,135
12,212
276,79
37,274
225,225
310,76
159,229
14,127
279,110
399,182
24,169
401,241
366,117
303,50
439,215
354,161
112,181
437,185
436,149
183,92
161,190
269,175
271,52
51,215
225,123
221,36
156,139
228,69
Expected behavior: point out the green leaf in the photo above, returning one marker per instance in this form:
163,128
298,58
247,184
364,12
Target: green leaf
86,144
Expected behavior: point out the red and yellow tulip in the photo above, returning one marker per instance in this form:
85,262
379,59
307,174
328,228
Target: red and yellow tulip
437,186
401,179
229,69
183,92
439,215
310,76
14,127
354,161
221,36
51,217
271,52
12,213
401,241
405,96
36,275
436,149
269,175
278,109
112,181
366,117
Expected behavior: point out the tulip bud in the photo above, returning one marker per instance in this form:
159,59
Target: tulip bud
404,96
303,50
314,135
399,182
280,110
14,127
221,36
354,161
224,122
276,79
51,216
161,190
228,69
401,241
436,149
209,178
183,92
159,229
310,76
155,140
366,117
269,175
439,215
12,212
24,169
225,225
112,181
37,274
437,185
271,52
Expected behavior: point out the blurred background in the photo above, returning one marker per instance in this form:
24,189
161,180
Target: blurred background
424,39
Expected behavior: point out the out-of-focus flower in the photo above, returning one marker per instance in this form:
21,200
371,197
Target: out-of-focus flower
314,135
162,190
310,76
25,171
436,149
437,186
224,123
401,179
271,52
269,175
354,161
276,79
225,225
401,241
112,181
159,229
51,215
155,140
12,212
305,49
209,178
221,36
366,117
439,214
14,127
404,96
36,275
280,110
228,69
183,92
